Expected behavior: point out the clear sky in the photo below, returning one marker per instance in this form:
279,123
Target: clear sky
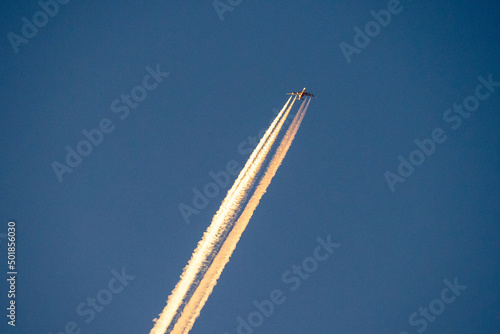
175,92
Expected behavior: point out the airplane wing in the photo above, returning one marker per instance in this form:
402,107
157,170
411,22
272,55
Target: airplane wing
309,94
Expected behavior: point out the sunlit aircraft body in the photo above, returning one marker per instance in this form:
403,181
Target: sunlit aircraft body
301,94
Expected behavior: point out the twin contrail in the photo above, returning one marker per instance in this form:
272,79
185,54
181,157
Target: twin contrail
219,240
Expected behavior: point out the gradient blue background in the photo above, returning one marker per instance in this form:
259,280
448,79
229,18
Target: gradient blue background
119,208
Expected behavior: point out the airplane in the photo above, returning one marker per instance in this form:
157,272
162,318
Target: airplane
301,94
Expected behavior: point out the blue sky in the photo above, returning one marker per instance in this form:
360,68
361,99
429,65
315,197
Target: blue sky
119,208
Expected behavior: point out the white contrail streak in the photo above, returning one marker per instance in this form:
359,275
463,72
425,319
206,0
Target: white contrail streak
200,296
214,250
221,223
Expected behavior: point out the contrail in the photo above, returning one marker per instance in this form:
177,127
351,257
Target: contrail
212,253
200,258
216,231
200,296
